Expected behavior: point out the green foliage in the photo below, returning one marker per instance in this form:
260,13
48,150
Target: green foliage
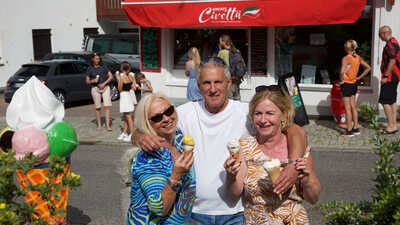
14,211
384,209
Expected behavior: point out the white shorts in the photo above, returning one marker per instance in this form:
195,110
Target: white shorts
125,102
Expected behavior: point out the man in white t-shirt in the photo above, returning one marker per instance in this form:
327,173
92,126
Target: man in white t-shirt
213,122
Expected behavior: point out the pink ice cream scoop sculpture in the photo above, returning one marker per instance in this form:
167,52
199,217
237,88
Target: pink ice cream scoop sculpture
30,139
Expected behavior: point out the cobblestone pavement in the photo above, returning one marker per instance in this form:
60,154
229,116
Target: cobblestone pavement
322,134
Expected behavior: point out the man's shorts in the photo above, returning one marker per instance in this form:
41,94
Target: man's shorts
97,94
348,90
388,94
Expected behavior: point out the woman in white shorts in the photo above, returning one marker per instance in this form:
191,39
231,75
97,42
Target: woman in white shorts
98,76
127,101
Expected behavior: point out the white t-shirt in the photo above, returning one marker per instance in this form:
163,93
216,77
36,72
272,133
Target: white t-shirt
211,133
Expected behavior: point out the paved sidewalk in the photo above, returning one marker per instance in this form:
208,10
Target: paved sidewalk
322,134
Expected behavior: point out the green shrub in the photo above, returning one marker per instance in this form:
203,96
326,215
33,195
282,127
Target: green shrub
15,211
384,209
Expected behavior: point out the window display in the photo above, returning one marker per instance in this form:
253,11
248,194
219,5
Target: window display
313,53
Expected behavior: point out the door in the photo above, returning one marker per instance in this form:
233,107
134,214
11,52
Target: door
41,43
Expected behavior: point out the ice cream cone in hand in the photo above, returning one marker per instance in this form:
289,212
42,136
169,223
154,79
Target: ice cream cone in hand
273,168
234,147
188,145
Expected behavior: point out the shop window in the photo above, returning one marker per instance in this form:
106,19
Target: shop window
314,53
206,40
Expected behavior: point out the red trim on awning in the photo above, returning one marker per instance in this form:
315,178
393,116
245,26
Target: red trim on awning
236,13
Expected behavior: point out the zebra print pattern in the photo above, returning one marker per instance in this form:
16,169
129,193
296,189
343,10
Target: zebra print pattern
261,205
150,173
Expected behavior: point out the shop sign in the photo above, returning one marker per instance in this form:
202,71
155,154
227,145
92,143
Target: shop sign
227,14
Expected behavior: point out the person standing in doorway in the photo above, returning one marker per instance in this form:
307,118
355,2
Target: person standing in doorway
348,76
228,49
390,68
98,76
191,70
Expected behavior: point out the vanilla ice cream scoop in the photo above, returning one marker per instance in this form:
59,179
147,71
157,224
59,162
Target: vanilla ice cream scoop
233,146
272,163
34,104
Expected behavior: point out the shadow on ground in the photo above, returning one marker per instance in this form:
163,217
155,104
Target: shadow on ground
76,216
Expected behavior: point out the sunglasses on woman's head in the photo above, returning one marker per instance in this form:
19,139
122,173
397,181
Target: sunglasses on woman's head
168,112
267,87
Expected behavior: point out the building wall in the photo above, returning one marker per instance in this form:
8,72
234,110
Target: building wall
385,14
65,18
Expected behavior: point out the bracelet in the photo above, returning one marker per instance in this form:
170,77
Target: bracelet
291,162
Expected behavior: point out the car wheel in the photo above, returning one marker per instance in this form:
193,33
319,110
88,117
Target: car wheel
114,92
60,96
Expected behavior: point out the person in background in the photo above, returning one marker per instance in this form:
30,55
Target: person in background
143,84
98,76
348,77
271,112
213,122
163,182
227,47
126,82
191,70
390,68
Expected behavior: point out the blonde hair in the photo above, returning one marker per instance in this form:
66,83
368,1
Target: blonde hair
385,28
351,46
195,56
228,40
281,99
142,123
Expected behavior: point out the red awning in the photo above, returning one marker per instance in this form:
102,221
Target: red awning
236,13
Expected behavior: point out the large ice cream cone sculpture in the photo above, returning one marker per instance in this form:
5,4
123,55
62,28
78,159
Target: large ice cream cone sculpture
188,145
234,147
273,168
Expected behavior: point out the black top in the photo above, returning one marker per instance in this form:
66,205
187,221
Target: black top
127,86
102,71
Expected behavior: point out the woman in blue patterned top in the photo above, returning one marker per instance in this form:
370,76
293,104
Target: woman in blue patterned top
163,181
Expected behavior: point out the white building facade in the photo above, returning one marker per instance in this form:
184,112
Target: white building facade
64,20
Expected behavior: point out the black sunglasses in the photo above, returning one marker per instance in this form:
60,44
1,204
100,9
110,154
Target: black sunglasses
215,59
168,112
267,87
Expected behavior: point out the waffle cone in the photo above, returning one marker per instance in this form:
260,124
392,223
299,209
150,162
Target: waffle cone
274,173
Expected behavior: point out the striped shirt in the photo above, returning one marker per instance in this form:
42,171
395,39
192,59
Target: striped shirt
391,51
150,173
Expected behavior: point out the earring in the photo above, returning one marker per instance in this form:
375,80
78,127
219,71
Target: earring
283,123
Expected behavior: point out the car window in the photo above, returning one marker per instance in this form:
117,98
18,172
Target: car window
101,45
32,70
81,67
61,57
125,46
109,59
66,68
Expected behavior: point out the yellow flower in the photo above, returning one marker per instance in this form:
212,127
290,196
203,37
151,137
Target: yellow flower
73,175
3,205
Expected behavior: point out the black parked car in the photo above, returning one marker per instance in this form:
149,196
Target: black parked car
65,78
112,63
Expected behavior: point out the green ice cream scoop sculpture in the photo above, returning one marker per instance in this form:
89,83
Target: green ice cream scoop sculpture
62,139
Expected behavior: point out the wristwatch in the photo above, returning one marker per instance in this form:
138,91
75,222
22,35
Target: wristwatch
175,185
